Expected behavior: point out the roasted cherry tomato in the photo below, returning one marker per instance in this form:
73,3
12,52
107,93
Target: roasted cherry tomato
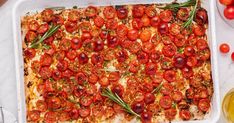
50,117
121,30
187,72
150,11
118,89
122,13
183,14
169,75
62,65
111,24
150,69
165,102
155,21
201,44
149,98
166,16
169,50
142,57
47,15
138,11
201,16
86,101
170,113
109,12
163,28
204,105
99,21
45,72
145,35
30,36
33,115
179,61
33,25
76,43
189,51
73,16
133,34
83,58
84,112
91,11
146,117
137,23
177,96
71,26
185,114
138,107
30,53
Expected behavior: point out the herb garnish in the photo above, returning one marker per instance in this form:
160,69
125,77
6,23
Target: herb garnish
49,33
114,97
156,90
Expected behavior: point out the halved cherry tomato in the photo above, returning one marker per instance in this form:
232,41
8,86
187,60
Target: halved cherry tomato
137,23
169,50
150,68
142,57
45,72
91,11
183,14
199,30
133,34
146,21
30,36
85,36
30,53
33,25
167,39
56,74
224,48
58,20
177,96
191,61
97,59
71,26
109,12
111,24
138,107
73,16
138,11
103,81
121,30
74,113
41,105
122,13
122,55
155,56
201,44
145,35
99,21
33,115
93,79
148,47
54,103
81,78
47,15
71,54
84,112
166,16
64,116
114,77
170,75
49,40
170,113
165,102
189,93
150,11
50,117
175,29
189,51
204,105
59,55
155,21
166,63
76,43
167,89
86,101
185,114
179,61
187,72
62,65
85,26
36,66
138,96
83,58
149,98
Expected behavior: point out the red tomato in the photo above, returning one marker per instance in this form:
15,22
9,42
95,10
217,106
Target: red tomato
229,12
85,36
170,113
97,59
169,50
187,72
150,69
114,77
146,117
185,114
36,66
166,63
138,11
150,11
137,23
189,93
183,14
30,36
224,48
199,30
47,15
201,44
112,41
71,26
54,103
30,53
133,34
74,113
177,96
93,79
111,24
121,30
33,25
146,21
59,55
103,34
179,42
76,43
155,21
175,29
81,78
138,107
149,98
83,58
122,13
232,56
84,112
163,28
169,75
64,116
91,11
45,72
85,26
201,16
156,39
142,57
58,20
165,102
179,61
73,16
145,35
41,105
50,117
166,16
226,2
71,54
148,47
109,12
122,55
49,40
33,115
104,81
189,51
98,45
138,96
99,21
155,56
204,105
191,61
118,89
62,65
86,101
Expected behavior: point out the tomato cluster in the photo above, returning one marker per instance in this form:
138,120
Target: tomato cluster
147,48
229,10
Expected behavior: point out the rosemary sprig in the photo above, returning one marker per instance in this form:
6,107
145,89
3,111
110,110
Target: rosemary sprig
156,90
191,16
49,33
114,97
176,6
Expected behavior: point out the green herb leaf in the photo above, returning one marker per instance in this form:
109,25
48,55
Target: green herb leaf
56,8
156,90
175,6
191,16
49,33
115,98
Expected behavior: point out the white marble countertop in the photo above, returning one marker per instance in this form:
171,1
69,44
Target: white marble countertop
7,68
